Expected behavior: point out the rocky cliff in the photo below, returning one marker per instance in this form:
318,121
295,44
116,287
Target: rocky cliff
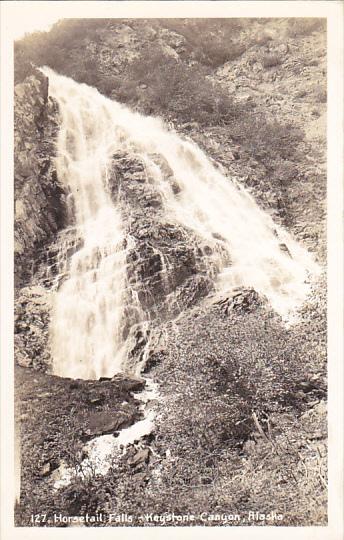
38,195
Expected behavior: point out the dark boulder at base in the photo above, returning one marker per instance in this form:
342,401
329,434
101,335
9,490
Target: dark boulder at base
104,422
129,383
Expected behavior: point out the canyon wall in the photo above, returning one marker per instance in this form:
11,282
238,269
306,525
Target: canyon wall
38,195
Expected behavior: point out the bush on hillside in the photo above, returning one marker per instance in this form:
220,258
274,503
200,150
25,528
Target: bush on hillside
266,140
60,47
212,41
304,26
271,60
214,53
320,94
172,88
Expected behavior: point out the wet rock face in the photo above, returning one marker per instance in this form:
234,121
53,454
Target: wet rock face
168,265
38,196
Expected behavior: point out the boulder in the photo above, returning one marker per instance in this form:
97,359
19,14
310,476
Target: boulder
100,423
129,384
141,456
241,300
47,468
96,400
23,360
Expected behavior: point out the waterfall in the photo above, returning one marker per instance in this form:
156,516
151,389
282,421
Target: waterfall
88,336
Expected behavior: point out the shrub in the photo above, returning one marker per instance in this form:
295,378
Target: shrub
305,26
82,496
58,47
261,39
213,52
108,85
184,92
266,140
320,94
22,69
271,60
212,41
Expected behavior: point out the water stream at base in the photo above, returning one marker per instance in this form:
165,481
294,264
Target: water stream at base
89,335
104,452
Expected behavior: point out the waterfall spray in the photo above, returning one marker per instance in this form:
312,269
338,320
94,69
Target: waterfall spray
88,337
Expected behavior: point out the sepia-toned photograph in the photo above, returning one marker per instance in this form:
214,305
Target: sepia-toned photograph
170,272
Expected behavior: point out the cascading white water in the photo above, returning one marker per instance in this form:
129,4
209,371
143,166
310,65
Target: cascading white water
88,313
88,317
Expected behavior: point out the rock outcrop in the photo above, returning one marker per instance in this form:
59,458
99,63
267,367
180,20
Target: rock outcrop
32,316
38,195
169,267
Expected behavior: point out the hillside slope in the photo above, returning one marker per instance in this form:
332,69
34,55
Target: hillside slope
241,415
